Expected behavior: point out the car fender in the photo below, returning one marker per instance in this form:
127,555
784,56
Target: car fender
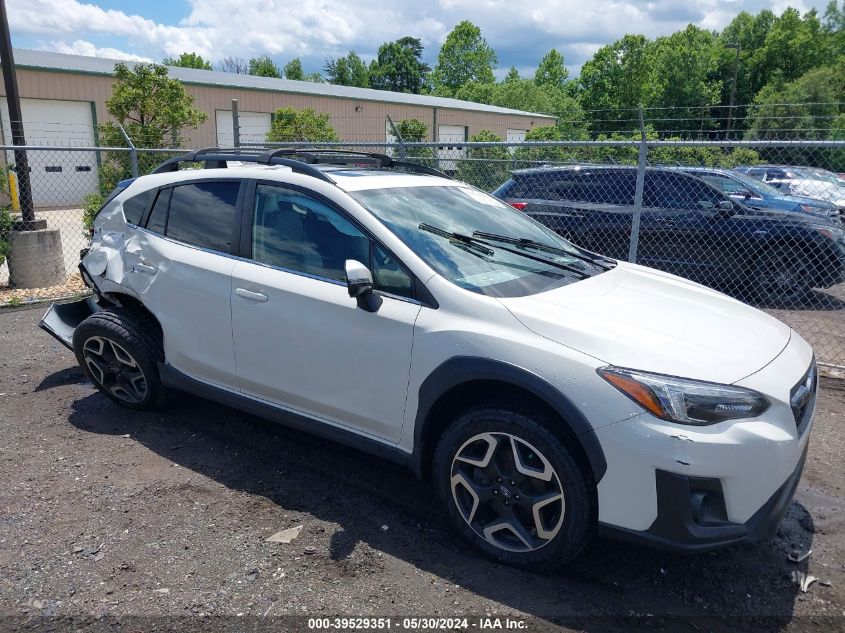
464,369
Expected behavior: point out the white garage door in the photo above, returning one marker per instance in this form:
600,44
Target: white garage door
253,127
61,178
515,136
449,137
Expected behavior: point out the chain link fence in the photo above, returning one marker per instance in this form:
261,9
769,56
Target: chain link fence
761,220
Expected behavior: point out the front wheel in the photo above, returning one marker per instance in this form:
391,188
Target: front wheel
513,489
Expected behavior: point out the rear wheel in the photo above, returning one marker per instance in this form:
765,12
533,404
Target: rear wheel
513,489
783,276
119,351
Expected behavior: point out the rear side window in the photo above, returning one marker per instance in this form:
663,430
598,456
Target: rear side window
134,207
203,214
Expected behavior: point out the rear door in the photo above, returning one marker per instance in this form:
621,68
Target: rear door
591,207
180,264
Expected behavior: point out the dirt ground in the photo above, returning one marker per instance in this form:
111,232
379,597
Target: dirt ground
158,521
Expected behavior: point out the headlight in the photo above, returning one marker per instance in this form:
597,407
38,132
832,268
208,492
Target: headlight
830,232
685,401
809,208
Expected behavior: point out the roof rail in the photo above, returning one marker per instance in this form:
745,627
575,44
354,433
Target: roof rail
299,160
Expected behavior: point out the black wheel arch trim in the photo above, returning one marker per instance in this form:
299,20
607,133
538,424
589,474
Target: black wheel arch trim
465,369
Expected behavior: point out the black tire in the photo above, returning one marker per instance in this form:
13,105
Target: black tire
783,276
575,519
128,337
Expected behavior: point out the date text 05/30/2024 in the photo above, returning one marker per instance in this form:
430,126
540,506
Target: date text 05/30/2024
416,624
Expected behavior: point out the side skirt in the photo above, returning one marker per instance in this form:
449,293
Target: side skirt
175,379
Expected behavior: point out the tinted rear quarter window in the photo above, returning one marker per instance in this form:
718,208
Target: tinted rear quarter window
134,207
203,214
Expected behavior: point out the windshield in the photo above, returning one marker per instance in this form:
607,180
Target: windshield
491,270
757,185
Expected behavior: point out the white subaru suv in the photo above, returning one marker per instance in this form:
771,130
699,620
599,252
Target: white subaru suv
548,393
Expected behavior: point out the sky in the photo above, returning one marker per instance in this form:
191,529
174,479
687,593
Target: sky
313,30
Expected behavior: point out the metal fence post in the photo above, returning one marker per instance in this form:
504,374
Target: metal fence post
236,124
402,150
638,193
133,152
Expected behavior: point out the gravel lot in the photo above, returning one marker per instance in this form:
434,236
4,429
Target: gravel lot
113,517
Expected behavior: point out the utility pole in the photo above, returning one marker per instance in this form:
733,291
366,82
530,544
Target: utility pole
15,120
738,47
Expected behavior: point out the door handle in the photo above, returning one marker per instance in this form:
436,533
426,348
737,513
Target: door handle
145,267
258,297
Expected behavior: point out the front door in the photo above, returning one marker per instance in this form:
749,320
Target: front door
300,341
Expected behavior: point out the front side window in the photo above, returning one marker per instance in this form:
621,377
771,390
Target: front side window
670,191
299,233
496,269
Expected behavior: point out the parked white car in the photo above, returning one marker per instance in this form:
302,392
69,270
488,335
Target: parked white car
548,392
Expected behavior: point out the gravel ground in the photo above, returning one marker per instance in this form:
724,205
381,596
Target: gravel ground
114,517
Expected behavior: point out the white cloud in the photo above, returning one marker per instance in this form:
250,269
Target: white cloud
521,33
81,47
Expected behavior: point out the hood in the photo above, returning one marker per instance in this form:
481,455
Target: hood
644,319
810,202
828,215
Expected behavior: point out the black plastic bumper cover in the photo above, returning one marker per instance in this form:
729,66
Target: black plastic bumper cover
677,529
62,319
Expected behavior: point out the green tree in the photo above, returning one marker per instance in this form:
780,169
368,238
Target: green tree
153,109
682,78
290,124
415,131
187,60
347,71
399,67
793,46
293,70
615,82
809,108
316,78
749,33
551,71
513,74
484,167
465,56
264,67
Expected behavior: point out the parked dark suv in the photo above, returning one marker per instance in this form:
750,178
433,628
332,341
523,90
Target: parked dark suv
687,227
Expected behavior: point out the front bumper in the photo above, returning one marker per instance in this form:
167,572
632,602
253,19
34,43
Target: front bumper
689,509
62,319
699,487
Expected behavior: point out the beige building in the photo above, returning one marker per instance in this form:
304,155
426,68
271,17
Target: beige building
63,99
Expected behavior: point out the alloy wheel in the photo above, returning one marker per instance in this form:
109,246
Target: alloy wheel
115,369
784,276
507,491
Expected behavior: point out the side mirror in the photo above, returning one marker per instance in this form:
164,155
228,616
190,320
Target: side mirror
359,282
359,279
725,208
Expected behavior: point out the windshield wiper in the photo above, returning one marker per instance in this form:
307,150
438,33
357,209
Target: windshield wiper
524,242
459,239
